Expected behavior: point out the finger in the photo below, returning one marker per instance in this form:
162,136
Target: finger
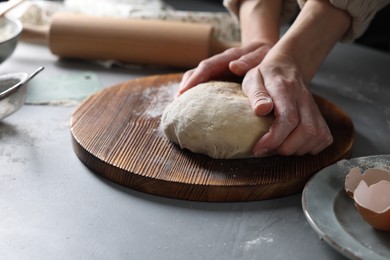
313,145
301,139
185,77
286,120
283,125
322,146
312,134
192,78
248,61
210,68
316,146
304,136
215,66
315,128
321,139
253,87
183,86
306,147
286,93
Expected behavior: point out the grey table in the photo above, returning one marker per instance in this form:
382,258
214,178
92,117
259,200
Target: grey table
53,207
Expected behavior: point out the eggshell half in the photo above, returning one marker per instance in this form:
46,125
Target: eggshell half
373,203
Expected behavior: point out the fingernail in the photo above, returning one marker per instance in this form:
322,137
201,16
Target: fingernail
264,100
263,106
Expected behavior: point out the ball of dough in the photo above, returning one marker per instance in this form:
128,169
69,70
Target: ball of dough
216,119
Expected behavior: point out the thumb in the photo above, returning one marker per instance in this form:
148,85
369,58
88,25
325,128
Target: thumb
253,87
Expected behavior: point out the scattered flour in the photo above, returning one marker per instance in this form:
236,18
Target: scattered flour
366,162
248,245
159,98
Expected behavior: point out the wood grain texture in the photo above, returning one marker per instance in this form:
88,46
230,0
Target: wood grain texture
116,133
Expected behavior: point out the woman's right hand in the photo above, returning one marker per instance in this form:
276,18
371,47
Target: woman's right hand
279,85
235,61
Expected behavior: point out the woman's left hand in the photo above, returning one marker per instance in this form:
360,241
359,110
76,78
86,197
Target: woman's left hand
232,62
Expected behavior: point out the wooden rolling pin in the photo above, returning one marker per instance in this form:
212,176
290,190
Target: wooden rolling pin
156,42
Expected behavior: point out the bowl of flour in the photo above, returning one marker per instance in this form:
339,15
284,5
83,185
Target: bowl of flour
13,91
10,30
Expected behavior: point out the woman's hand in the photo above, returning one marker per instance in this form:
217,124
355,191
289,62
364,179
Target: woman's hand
232,62
276,80
284,75
259,20
299,127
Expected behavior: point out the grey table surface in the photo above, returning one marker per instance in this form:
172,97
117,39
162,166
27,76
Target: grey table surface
53,207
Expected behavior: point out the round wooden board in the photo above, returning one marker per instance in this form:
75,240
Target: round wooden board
116,134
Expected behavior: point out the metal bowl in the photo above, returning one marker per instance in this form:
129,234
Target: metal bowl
13,91
10,30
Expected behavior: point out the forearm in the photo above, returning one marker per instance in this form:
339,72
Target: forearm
259,20
313,34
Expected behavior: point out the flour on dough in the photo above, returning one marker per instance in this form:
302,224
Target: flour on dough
216,119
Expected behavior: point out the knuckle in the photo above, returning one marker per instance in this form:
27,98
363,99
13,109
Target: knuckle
328,140
311,132
188,73
205,64
322,144
290,118
325,135
320,133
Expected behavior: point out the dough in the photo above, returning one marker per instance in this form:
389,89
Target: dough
216,119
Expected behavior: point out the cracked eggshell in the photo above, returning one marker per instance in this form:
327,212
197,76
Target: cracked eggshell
370,176
373,203
352,181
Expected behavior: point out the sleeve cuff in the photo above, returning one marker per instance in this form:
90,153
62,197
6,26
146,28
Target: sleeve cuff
362,12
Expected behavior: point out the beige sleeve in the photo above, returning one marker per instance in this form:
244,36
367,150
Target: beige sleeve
289,9
362,12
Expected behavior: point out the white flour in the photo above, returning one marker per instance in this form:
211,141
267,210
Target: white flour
159,98
5,32
366,162
10,104
7,107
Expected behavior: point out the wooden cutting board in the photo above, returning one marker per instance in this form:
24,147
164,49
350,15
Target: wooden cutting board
116,134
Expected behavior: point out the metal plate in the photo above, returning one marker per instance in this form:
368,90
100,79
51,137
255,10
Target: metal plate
333,216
